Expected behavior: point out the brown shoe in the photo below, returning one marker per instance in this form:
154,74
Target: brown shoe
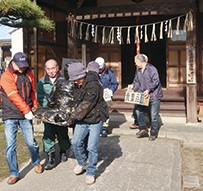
13,179
133,126
38,169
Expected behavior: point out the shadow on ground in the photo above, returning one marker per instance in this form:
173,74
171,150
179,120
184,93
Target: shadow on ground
109,150
116,119
43,159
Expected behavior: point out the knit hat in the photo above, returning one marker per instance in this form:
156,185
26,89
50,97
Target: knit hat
76,71
93,66
21,60
100,61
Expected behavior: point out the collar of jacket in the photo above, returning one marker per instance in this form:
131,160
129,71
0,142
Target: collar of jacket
47,80
106,70
91,76
140,69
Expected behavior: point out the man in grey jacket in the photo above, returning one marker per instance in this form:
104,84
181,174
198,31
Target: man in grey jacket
147,81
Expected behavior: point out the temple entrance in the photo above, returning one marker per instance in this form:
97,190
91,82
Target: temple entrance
156,52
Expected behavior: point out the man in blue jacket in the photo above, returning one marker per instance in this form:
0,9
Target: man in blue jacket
147,81
109,83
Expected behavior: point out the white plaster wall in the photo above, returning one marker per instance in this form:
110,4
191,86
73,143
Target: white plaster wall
16,41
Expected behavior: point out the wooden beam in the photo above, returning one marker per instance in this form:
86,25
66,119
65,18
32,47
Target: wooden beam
191,85
167,8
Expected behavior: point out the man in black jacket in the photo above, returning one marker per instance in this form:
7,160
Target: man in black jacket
89,113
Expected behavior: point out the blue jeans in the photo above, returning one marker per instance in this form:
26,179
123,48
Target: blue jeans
154,108
85,145
11,129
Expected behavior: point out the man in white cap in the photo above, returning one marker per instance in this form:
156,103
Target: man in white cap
109,83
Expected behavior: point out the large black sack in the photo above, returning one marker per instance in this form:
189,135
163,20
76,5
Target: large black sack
60,104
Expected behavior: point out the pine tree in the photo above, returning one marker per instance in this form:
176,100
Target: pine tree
23,13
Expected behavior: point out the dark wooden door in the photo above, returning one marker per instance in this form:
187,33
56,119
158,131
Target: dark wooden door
176,64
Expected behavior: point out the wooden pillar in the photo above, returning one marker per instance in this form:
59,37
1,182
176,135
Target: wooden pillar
35,54
191,82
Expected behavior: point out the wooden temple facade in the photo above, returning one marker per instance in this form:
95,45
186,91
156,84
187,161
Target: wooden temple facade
169,32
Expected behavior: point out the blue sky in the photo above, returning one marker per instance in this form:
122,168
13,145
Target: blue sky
4,32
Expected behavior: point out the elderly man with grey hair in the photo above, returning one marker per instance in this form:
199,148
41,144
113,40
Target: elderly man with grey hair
147,81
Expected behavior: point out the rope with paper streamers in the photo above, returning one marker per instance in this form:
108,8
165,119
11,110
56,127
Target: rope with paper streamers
114,34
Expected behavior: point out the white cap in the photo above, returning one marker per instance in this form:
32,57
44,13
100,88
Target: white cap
100,61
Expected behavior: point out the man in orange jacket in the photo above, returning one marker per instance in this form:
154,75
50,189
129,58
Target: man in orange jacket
18,99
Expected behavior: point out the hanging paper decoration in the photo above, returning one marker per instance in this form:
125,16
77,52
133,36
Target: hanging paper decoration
92,31
161,31
141,31
188,24
185,23
80,31
177,26
111,36
137,39
128,36
87,35
191,26
120,35
145,36
103,35
169,29
95,36
166,26
153,37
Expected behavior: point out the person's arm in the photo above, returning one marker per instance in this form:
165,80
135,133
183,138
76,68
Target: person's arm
8,84
33,93
88,103
41,95
154,80
113,83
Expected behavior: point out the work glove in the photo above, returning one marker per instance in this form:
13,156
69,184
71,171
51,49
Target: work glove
29,115
70,121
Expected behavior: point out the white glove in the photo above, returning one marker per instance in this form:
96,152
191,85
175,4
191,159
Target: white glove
29,115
